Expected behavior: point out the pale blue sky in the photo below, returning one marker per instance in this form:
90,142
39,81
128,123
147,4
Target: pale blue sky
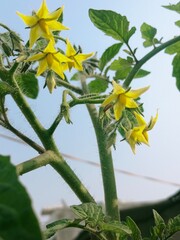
160,160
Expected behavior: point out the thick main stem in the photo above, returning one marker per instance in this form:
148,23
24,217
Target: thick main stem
107,169
58,163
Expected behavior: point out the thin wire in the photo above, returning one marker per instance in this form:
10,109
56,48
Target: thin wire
98,165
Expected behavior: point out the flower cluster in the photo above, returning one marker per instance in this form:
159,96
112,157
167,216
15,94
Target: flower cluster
122,99
42,24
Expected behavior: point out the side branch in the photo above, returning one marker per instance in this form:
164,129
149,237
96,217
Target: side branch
148,56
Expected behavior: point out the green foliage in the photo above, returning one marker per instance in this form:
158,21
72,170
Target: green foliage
108,54
17,220
5,88
136,233
164,231
98,86
176,72
122,67
173,7
112,24
148,33
141,73
177,23
28,84
9,42
173,49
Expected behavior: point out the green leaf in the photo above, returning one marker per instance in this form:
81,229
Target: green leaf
136,233
98,86
177,23
116,227
148,33
17,220
90,212
108,54
53,227
122,67
173,225
28,84
176,72
174,7
112,24
174,48
141,73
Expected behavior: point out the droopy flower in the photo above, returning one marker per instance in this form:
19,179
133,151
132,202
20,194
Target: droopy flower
121,99
50,59
139,133
76,57
42,23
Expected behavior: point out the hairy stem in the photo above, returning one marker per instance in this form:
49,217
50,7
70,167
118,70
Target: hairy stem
148,56
107,169
58,163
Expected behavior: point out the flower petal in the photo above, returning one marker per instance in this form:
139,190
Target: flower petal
43,10
42,66
36,57
111,98
136,93
118,89
56,14
118,109
82,57
130,103
56,26
140,119
35,33
152,122
56,67
70,51
28,20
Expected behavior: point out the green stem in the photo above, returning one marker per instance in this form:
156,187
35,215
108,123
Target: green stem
148,56
59,164
107,169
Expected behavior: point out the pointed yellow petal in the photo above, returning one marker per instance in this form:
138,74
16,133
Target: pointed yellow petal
152,122
132,144
118,89
136,93
56,14
111,98
36,57
70,51
35,34
56,67
118,109
130,103
140,119
56,26
62,58
42,66
82,56
43,10
28,20
50,48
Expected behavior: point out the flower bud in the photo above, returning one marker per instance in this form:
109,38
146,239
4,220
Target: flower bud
50,81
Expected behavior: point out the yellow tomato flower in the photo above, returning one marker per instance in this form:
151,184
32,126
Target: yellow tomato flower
42,23
76,57
139,133
50,59
121,99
